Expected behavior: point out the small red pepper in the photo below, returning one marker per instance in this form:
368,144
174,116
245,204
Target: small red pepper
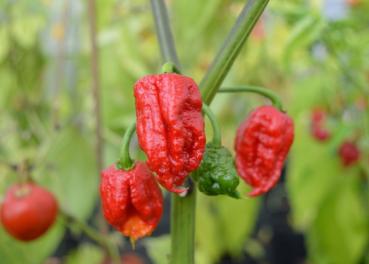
262,144
170,126
318,125
132,201
349,153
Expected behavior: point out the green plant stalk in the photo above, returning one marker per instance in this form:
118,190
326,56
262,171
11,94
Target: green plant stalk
276,101
183,208
217,137
125,161
231,48
182,220
163,32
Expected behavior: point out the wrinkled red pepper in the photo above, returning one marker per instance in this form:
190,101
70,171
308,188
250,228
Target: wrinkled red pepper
132,201
349,153
262,144
170,126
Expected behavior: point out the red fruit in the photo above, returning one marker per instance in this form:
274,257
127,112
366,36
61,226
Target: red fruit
28,211
262,143
320,134
318,125
349,153
131,200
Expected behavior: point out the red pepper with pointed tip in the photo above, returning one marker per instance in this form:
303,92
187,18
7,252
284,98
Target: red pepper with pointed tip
170,126
28,211
349,153
262,144
132,201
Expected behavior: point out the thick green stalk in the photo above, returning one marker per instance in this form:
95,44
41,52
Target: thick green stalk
182,220
183,208
231,48
163,32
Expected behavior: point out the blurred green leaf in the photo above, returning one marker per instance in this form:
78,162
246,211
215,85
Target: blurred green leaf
340,232
313,172
223,225
15,252
306,30
86,253
73,177
158,248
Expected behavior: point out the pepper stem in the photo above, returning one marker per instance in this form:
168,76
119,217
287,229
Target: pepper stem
169,67
276,101
217,137
125,161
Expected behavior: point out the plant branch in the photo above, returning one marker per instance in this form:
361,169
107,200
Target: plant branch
163,32
95,82
231,48
276,101
182,220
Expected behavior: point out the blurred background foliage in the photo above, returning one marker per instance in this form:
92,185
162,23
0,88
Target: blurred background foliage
313,53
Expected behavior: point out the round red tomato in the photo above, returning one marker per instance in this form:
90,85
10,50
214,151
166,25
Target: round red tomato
28,211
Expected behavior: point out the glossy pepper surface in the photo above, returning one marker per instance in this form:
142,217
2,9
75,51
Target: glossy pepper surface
28,211
170,126
217,174
132,201
262,144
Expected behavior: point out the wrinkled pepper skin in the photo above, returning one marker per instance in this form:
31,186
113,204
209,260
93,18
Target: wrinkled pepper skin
28,211
132,201
262,144
217,174
170,126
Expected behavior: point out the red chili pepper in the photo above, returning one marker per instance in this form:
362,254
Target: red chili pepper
318,125
349,153
28,211
170,126
262,144
132,201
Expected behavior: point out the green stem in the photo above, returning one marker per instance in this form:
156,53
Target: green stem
217,137
231,48
163,32
125,161
276,101
182,221
93,235
169,67
183,208
182,227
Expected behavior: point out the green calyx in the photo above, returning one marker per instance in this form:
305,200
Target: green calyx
217,174
169,67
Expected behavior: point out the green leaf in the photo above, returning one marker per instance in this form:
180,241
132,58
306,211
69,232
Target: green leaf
86,253
73,176
223,226
313,172
306,30
341,231
158,248
15,252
